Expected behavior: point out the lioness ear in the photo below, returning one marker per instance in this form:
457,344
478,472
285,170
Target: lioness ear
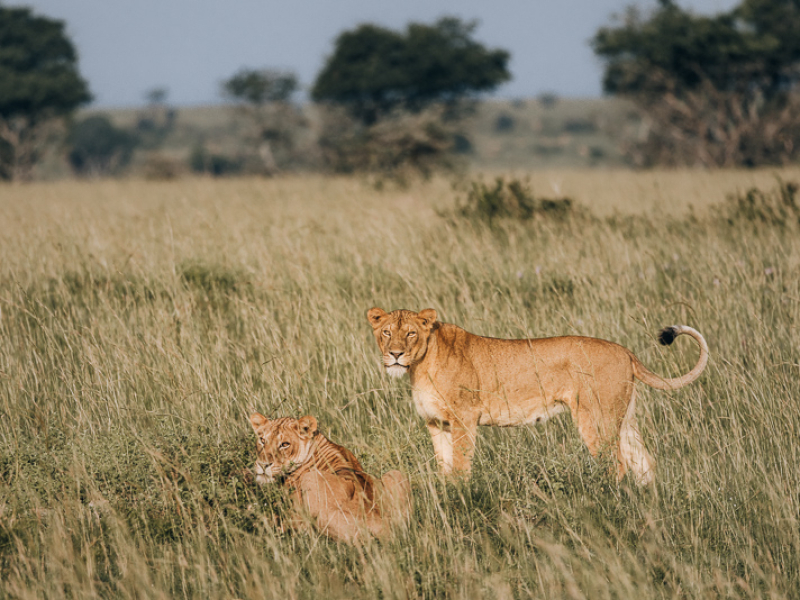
257,420
427,317
375,316
307,426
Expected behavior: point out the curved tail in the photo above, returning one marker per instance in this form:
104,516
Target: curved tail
665,338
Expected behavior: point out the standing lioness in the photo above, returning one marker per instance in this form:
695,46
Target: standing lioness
461,380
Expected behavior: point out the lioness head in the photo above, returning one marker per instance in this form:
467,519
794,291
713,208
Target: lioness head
282,445
402,336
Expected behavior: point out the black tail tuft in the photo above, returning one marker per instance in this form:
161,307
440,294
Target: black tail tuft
667,335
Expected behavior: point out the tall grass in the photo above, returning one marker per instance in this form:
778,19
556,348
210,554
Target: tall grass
142,322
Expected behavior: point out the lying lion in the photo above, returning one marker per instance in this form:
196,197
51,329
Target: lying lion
460,380
328,483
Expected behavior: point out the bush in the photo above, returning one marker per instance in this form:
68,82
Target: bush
213,279
504,123
548,99
211,163
512,199
580,125
161,167
778,206
96,147
399,145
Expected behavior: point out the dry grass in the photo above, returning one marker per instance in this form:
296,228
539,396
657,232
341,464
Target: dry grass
141,321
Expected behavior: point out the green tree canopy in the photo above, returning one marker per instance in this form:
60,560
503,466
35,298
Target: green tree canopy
722,83
260,86
39,80
374,70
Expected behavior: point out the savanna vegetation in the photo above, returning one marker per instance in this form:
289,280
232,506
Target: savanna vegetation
142,321
716,90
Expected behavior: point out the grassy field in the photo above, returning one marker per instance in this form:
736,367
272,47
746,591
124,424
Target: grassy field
141,322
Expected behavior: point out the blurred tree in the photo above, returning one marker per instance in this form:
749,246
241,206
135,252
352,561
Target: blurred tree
156,120
716,91
264,98
156,96
261,86
97,147
374,71
39,83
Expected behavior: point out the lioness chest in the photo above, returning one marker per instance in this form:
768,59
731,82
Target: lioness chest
430,406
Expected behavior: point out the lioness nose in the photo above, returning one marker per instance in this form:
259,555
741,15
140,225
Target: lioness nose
396,354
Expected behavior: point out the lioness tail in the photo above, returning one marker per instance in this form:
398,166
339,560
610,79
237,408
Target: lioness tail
665,338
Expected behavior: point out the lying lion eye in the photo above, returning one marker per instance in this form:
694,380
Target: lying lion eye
386,332
412,333
284,445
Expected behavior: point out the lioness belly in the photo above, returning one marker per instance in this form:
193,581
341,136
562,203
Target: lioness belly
525,414
431,407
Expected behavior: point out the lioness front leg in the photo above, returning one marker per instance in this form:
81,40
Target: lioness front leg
442,445
464,432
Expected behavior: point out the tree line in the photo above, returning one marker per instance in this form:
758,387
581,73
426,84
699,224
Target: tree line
714,91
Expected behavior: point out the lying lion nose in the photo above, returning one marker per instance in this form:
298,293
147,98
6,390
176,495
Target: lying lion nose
396,354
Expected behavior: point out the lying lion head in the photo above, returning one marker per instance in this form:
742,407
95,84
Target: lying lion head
402,336
282,445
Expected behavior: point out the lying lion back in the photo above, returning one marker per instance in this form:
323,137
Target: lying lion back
327,481
329,457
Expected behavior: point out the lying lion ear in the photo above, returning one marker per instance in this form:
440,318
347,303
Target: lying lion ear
307,426
375,316
257,420
427,317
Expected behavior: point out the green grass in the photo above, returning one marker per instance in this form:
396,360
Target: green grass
141,322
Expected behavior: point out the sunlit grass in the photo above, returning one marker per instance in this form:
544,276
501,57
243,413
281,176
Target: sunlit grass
141,322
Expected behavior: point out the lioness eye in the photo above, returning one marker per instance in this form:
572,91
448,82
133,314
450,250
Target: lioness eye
284,445
412,333
386,332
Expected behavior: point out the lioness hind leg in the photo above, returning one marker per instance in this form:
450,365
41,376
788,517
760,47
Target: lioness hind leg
329,507
632,454
611,425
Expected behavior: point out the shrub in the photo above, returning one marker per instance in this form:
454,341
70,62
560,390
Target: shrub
97,147
214,164
580,125
399,145
213,279
778,206
504,123
512,199
548,99
161,167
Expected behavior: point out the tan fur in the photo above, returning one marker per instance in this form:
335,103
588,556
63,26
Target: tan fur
327,481
460,380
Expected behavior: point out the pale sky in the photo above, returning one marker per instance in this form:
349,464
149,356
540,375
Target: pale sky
127,47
